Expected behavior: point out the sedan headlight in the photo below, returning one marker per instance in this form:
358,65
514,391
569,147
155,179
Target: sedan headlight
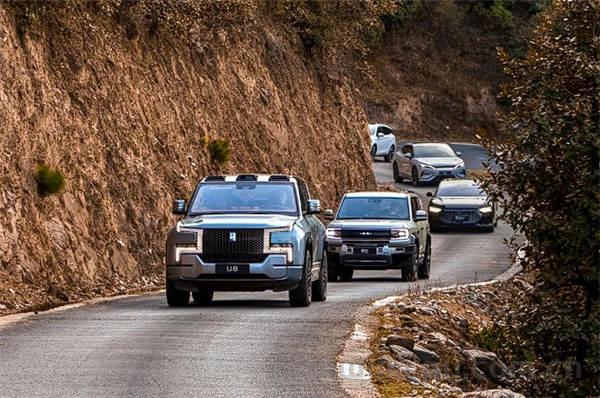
486,209
425,165
399,234
334,233
433,209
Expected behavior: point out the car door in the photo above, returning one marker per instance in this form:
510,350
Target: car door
390,139
415,204
380,139
316,229
404,162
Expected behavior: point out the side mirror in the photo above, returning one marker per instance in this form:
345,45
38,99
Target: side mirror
380,135
459,154
429,194
178,207
313,206
328,214
408,155
421,215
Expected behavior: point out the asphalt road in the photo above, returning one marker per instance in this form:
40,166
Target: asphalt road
245,345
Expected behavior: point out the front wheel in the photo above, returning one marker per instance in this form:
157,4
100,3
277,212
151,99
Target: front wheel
425,267
415,177
332,271
373,152
175,297
302,294
390,155
396,172
346,274
409,273
203,297
319,288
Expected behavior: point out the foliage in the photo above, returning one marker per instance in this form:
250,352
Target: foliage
401,13
50,181
551,174
220,150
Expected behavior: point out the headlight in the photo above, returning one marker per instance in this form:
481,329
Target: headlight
425,165
486,209
334,233
279,241
460,165
433,209
399,233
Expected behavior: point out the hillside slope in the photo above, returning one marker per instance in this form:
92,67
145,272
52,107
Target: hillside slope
124,110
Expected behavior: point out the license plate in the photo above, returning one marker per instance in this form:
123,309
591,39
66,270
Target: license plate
233,269
365,250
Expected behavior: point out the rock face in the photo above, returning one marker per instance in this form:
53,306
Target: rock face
502,393
425,355
402,341
488,363
402,353
125,119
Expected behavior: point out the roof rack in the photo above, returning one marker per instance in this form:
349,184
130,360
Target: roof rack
246,177
279,177
215,178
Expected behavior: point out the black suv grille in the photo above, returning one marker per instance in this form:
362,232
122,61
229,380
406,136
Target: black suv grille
233,245
360,234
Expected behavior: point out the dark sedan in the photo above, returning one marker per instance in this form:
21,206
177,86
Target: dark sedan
461,204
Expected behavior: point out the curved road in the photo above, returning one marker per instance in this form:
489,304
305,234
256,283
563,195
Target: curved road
245,345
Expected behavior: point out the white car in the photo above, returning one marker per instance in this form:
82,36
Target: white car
383,141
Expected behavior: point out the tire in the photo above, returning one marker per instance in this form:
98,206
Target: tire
302,294
489,229
396,172
390,155
332,271
373,152
415,177
177,298
346,274
319,288
203,297
409,270
425,267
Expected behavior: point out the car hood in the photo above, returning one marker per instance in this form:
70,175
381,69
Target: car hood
369,224
440,162
463,202
238,221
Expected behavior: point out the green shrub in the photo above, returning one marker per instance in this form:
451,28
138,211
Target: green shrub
50,181
220,150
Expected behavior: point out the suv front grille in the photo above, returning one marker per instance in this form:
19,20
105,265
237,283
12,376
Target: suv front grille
359,234
460,216
233,245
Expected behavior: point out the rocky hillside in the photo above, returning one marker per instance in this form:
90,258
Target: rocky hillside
123,101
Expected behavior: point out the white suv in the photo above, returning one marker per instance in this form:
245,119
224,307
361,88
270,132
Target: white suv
383,141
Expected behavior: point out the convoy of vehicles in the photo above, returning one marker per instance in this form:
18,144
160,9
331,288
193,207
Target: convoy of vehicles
379,230
460,204
383,141
254,232
427,162
247,233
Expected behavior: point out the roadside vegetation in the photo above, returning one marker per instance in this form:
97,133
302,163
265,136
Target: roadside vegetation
551,172
49,180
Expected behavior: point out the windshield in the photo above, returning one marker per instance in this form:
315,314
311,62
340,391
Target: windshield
472,189
245,197
434,151
373,208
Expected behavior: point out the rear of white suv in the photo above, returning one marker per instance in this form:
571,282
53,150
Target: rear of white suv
383,141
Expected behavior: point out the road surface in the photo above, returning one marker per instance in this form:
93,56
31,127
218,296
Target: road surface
245,345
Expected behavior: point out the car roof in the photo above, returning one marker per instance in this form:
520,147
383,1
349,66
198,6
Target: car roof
252,177
378,194
379,125
430,143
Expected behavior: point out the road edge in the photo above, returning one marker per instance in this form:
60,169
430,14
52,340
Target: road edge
356,350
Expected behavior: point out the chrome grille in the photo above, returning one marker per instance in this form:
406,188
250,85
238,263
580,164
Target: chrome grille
359,234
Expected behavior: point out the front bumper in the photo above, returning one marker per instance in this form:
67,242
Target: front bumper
370,255
439,173
460,219
192,274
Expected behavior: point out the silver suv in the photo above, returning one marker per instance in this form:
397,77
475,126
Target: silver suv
379,230
247,233
427,162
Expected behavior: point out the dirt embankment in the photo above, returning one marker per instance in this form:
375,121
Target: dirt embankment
438,76
124,109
